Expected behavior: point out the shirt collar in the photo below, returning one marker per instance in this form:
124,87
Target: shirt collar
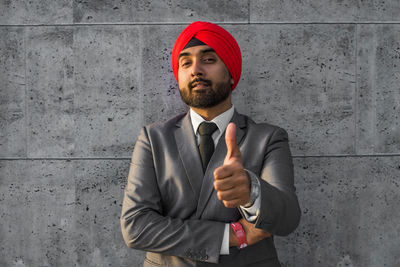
222,120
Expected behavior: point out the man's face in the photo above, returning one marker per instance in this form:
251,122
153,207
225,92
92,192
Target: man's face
203,78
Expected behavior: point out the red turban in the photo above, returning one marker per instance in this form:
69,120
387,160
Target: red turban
215,37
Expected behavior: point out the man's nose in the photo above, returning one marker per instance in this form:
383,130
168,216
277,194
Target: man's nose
197,69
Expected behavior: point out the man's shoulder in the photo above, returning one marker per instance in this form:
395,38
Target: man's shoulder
263,129
166,124
262,126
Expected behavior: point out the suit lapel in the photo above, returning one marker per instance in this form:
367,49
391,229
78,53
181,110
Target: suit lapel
217,159
189,153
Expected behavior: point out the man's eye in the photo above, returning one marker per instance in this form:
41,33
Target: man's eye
185,63
209,59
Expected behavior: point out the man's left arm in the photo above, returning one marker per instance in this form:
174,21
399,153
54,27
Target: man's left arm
279,211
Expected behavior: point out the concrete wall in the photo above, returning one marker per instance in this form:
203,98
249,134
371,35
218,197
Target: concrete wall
79,78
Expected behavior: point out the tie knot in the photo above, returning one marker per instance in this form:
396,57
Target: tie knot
207,128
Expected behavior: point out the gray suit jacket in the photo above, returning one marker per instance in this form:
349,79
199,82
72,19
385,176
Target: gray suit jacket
171,209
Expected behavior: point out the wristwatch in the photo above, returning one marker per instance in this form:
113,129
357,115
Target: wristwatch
254,189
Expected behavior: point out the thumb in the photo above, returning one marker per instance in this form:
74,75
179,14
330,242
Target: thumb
230,140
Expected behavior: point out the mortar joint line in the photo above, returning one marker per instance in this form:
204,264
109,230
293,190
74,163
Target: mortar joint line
186,23
356,116
24,40
128,158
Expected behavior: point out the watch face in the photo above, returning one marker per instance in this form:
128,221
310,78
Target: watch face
255,188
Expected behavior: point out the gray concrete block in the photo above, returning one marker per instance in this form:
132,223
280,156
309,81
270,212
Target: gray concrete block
12,93
324,11
302,78
83,91
378,92
99,192
376,10
51,89
161,98
349,213
36,12
160,11
37,203
63,213
107,97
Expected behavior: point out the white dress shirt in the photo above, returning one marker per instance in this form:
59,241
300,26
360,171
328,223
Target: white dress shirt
222,121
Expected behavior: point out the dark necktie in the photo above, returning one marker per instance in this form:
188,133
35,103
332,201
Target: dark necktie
206,146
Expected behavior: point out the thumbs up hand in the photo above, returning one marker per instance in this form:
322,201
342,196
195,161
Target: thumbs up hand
231,180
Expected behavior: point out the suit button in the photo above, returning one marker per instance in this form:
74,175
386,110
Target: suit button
204,257
188,253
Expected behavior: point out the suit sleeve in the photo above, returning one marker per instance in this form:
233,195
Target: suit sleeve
145,227
279,212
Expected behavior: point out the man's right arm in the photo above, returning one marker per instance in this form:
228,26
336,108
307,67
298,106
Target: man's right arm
145,227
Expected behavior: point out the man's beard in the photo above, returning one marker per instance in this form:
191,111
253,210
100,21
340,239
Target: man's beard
208,97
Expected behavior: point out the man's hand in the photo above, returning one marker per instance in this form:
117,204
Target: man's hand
253,235
231,180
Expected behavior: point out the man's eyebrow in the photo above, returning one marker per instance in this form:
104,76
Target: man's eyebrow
206,50
184,54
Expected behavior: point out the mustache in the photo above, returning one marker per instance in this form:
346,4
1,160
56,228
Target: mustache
206,82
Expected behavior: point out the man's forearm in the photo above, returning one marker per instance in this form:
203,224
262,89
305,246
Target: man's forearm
198,240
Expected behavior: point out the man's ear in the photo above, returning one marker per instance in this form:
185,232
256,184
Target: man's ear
232,81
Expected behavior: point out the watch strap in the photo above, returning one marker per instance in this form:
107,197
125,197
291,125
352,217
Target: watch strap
240,234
